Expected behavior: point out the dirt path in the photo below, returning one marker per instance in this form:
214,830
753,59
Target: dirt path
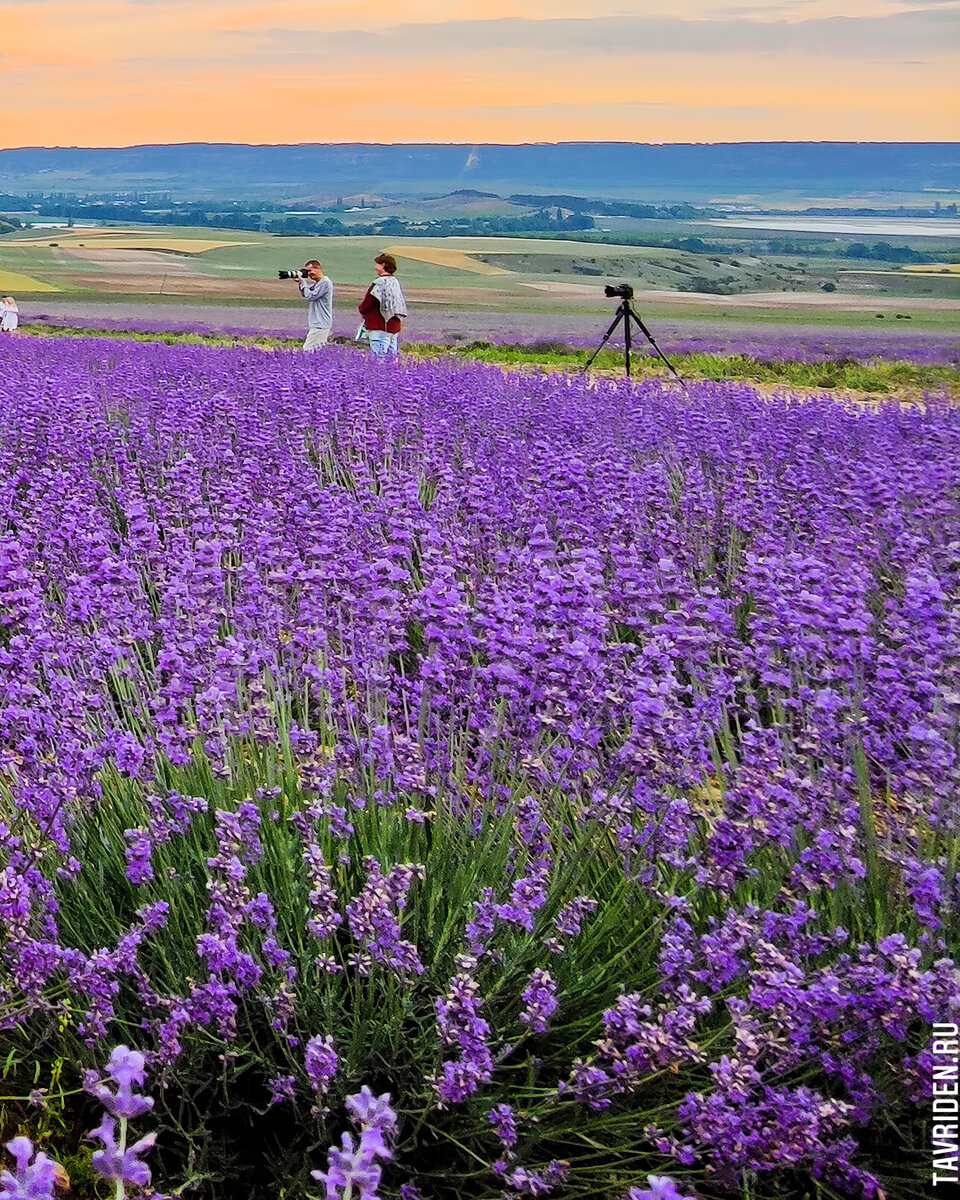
127,262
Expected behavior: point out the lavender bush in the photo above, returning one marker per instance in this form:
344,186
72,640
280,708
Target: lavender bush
569,764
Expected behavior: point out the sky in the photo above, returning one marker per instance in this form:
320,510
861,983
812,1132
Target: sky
124,72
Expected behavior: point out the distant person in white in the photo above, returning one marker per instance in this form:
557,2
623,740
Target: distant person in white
9,315
317,290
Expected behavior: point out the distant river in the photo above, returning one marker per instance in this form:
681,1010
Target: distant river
874,226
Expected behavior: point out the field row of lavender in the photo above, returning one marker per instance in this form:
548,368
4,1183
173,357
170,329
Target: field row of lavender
774,344
422,780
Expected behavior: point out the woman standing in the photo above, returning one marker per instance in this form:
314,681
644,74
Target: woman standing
382,307
9,315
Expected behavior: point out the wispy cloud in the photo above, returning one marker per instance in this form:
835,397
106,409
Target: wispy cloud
926,29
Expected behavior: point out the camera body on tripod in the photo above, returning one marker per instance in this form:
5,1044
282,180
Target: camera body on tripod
623,290
299,273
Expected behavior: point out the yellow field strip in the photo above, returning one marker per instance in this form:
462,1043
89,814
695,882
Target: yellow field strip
98,242
442,257
13,281
934,269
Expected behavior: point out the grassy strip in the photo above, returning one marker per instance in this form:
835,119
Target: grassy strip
170,337
877,375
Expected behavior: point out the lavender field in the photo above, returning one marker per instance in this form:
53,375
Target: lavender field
443,326
424,780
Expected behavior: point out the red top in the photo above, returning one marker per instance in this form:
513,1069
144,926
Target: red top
369,308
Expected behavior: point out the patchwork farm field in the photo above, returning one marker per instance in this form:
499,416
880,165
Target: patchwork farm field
423,779
515,273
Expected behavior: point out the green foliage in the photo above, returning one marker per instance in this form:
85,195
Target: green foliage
879,375
384,1028
885,252
217,1126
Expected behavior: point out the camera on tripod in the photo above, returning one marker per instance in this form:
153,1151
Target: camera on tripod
299,273
630,317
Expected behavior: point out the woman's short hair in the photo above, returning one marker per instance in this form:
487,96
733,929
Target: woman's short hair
388,262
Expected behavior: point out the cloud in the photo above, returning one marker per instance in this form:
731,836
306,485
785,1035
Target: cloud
752,11
907,32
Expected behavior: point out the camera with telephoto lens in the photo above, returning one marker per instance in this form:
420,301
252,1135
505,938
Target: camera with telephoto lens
300,273
623,290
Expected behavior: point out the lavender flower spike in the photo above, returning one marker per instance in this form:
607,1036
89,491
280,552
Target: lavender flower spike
321,1062
352,1172
34,1180
118,1162
659,1187
126,1068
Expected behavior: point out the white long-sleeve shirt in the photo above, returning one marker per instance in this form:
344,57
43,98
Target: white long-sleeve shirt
319,293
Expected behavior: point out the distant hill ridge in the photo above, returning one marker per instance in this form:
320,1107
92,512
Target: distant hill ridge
603,168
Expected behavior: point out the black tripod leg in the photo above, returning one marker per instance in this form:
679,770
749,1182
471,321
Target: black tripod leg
627,333
606,337
660,354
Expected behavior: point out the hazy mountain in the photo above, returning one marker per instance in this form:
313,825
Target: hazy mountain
597,168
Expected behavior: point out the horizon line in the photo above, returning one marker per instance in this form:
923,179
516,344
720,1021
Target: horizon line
502,145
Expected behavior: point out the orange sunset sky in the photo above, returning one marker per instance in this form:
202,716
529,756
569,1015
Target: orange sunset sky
120,72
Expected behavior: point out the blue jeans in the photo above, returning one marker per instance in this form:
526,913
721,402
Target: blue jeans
382,343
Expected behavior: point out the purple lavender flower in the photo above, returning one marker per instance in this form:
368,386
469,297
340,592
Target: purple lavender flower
324,917
139,850
373,922
504,1126
460,1025
525,1182
36,1176
117,1162
282,1089
659,1187
321,1063
126,1068
355,1164
571,916
540,1000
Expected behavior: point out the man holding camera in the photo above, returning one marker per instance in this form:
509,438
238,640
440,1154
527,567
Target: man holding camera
317,290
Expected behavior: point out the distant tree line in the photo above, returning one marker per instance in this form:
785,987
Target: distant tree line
878,251
777,247
544,221
935,210
621,208
884,252
558,216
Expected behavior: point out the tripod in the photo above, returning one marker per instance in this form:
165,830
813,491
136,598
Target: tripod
628,315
